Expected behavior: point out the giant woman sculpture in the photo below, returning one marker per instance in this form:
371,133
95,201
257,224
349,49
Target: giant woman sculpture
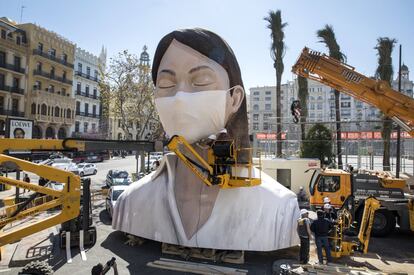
199,92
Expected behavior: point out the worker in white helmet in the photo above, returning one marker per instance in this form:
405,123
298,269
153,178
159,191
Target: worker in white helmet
329,212
305,235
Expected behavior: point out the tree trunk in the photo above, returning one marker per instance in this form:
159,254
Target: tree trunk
386,136
302,128
278,116
338,130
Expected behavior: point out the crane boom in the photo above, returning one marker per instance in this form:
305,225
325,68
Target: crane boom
343,77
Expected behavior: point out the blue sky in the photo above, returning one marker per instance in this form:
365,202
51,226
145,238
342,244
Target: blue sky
129,24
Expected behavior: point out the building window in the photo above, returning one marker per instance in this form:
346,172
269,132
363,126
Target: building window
256,99
268,92
38,66
345,104
86,108
88,71
52,52
15,104
268,107
63,91
93,127
3,34
77,126
80,67
33,108
51,89
268,98
17,62
256,93
119,123
267,116
94,110
40,47
256,107
77,107
16,82
95,92
96,74
65,57
2,81
312,106
255,126
78,87
57,112
87,90
85,127
68,113
255,116
265,126
1,103
18,40
64,76
52,72
2,58
43,110
319,106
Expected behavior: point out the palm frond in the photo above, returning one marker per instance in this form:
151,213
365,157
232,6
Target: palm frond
327,36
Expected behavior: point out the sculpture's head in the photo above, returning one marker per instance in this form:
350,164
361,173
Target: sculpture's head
199,90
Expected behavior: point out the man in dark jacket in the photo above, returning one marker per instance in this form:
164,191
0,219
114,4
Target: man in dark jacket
321,228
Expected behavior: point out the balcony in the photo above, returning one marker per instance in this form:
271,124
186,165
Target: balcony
53,58
87,76
79,92
5,112
47,92
15,90
87,114
53,77
13,67
52,119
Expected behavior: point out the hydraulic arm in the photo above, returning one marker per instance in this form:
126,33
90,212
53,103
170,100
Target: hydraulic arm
344,78
221,167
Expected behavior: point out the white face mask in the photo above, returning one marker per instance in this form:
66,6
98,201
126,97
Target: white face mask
193,115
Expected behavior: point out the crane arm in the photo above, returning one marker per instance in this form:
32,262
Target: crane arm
68,199
344,78
371,205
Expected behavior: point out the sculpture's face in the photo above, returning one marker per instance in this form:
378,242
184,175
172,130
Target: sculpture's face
186,70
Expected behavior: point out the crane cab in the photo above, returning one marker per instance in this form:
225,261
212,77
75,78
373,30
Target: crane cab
332,183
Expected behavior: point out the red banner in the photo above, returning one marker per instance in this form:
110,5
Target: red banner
370,135
269,136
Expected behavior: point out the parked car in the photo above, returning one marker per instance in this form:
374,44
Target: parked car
117,177
87,169
111,198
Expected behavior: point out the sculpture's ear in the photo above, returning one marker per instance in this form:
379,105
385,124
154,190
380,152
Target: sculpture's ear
236,99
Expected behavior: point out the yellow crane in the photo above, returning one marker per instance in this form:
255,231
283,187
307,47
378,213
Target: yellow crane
344,78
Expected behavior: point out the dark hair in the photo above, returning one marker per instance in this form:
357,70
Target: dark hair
18,129
214,47
319,213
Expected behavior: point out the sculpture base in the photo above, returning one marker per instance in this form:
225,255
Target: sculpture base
226,256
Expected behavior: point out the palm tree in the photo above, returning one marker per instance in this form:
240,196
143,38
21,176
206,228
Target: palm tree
277,51
327,36
384,71
303,98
